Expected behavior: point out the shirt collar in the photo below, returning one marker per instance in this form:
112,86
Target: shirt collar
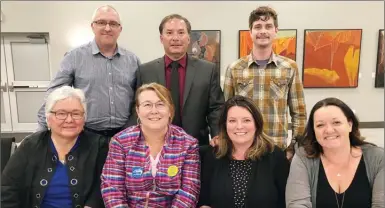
273,58
53,148
95,49
182,61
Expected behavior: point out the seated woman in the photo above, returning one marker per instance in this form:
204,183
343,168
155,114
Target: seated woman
154,163
334,167
245,169
59,167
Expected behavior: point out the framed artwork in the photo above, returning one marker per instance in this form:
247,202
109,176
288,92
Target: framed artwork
331,58
285,44
379,80
206,44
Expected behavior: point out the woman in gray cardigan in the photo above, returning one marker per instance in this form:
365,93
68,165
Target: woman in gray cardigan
334,167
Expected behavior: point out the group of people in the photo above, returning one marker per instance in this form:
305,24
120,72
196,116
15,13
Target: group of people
114,132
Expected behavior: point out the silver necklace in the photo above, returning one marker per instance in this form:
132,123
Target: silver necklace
343,198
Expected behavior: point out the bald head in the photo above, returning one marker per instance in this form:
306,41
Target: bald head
106,26
104,9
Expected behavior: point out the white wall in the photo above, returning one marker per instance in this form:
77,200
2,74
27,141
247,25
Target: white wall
68,24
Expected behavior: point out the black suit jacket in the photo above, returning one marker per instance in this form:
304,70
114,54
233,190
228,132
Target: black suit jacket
33,161
202,100
266,187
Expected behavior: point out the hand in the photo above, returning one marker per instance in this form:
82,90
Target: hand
204,206
214,141
290,152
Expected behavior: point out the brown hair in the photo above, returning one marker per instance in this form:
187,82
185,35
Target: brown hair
309,141
263,13
162,92
261,144
174,16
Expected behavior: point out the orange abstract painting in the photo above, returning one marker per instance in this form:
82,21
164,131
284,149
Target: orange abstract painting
379,82
285,44
331,58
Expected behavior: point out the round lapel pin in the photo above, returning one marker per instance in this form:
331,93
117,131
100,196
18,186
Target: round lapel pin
172,171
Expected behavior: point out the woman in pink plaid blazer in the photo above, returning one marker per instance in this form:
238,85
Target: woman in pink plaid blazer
152,164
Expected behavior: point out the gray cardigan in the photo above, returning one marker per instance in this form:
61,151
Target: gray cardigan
301,188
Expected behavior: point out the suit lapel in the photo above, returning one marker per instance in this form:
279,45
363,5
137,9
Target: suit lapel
190,74
160,70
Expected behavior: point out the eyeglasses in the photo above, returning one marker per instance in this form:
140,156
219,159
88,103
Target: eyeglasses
149,105
103,23
62,115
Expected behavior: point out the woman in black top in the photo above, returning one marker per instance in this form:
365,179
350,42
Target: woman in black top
357,195
59,167
245,169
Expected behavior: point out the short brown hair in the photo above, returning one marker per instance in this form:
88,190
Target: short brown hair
265,12
261,144
174,16
162,92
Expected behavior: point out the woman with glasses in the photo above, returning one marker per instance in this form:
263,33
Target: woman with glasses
154,163
59,167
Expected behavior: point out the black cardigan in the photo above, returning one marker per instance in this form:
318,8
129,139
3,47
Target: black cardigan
34,162
266,187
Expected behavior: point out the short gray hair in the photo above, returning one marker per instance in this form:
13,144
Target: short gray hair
64,93
106,7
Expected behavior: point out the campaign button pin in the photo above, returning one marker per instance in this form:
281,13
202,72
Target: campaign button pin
137,172
172,171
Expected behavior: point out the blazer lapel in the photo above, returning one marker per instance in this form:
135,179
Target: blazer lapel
160,70
190,74
227,182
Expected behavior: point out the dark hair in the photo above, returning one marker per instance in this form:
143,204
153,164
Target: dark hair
265,12
262,143
174,16
309,141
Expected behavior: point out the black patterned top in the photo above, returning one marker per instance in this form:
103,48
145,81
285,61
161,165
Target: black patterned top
240,171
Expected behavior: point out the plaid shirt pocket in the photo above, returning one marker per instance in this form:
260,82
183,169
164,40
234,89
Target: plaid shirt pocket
245,87
278,88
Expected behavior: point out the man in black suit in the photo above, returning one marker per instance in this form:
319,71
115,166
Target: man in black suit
193,83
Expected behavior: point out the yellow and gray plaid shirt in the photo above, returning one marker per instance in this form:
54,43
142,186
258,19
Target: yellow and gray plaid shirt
273,87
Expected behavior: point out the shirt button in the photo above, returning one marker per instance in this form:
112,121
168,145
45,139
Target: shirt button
74,181
112,102
109,73
110,88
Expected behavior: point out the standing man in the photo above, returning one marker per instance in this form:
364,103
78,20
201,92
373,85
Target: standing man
104,71
272,81
193,83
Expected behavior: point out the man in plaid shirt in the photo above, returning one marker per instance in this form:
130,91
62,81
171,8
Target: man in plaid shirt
271,80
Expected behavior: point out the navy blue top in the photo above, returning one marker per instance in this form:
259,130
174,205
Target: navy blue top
58,193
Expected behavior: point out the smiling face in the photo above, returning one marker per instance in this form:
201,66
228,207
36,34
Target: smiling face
68,127
154,114
240,126
175,38
263,32
331,127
